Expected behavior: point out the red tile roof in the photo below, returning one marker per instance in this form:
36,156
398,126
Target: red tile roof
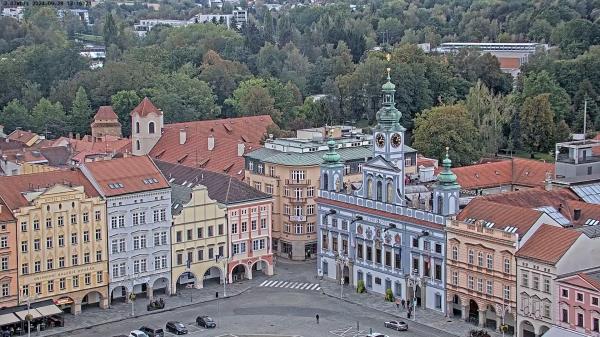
591,278
501,215
228,134
126,175
548,244
563,200
106,112
377,212
5,213
87,146
145,107
426,162
12,187
515,171
22,136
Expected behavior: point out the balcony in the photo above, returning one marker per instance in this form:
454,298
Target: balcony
295,200
297,182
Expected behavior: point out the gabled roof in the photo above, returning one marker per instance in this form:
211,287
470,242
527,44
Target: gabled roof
221,187
126,175
106,112
13,187
308,158
228,135
515,171
22,136
548,244
87,146
593,278
145,107
506,217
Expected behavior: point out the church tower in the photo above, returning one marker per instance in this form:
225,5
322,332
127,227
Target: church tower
446,191
332,169
106,123
146,127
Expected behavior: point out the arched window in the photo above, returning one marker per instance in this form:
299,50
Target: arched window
325,182
137,127
137,145
390,192
151,127
440,209
379,190
369,188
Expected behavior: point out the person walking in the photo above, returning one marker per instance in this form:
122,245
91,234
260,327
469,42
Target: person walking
317,317
403,304
398,304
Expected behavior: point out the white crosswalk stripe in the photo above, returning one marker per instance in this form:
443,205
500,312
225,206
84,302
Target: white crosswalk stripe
290,285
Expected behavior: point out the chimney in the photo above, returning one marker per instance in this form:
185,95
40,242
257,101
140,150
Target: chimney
211,142
77,136
548,182
0,208
576,214
241,148
182,136
70,135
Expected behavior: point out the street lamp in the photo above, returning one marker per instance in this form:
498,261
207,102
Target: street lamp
415,280
503,309
342,260
225,261
29,317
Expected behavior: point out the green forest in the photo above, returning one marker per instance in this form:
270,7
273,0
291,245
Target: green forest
280,61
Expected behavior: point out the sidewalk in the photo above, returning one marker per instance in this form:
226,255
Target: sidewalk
375,301
121,311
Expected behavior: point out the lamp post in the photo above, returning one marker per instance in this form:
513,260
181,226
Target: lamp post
342,260
415,279
224,260
503,309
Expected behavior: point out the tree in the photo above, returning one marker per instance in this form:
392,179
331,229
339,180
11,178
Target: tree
447,126
15,115
252,98
543,83
223,76
110,31
81,113
537,127
49,119
123,102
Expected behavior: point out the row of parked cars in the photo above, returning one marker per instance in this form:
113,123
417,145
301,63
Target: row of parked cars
174,327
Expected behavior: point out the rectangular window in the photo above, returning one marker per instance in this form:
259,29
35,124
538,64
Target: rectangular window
4,242
535,281
73,219
580,320
310,192
48,222
98,255
377,255
23,226
310,227
61,262
507,292
50,286
210,231
155,215
268,188
471,282
596,325
86,257
489,287
86,236
455,277
24,247
579,297
397,261
437,269
565,293
73,238
122,221
480,285
97,215
62,283
179,236
76,281
163,238
61,221
49,243
565,316
36,225
263,223
244,227
200,254
179,259
595,301
25,290
36,245
506,266
4,263
298,228
221,230
546,285
211,253
49,264
87,278
99,277
190,234
74,260
524,278
135,218
415,242
98,234
369,251
37,266
258,185
114,222
86,217
38,288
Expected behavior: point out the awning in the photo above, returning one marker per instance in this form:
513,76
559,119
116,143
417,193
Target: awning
64,300
7,319
49,310
34,313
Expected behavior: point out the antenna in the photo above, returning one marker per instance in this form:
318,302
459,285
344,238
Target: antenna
584,117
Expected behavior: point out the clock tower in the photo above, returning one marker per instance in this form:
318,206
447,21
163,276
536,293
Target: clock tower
388,135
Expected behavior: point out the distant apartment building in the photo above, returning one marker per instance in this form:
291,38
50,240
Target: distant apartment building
61,238
138,206
239,17
510,55
82,14
13,12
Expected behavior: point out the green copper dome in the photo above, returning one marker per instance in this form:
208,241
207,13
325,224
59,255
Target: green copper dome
447,177
388,86
388,117
331,157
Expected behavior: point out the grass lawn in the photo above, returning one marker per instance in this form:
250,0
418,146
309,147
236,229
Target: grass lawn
90,38
538,155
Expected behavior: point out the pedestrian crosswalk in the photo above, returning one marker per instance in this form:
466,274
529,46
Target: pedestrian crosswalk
291,285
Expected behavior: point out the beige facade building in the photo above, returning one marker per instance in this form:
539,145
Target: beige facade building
61,238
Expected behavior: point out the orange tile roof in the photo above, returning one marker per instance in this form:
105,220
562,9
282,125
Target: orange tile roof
105,112
563,200
145,107
591,278
228,133
87,146
548,244
126,175
515,171
12,187
22,136
5,213
501,215
426,162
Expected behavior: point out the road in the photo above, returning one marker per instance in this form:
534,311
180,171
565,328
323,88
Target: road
273,311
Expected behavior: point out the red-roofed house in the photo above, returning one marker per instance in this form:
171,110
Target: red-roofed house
482,242
214,145
106,123
138,203
578,297
551,251
503,176
26,137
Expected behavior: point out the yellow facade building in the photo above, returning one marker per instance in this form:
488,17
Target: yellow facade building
61,238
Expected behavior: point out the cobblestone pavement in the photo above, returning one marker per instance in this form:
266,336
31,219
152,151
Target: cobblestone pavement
426,317
119,311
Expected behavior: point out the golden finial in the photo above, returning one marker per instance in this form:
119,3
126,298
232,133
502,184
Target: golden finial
388,57
330,132
388,71
447,148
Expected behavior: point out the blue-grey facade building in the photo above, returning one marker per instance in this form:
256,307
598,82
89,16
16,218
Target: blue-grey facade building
370,234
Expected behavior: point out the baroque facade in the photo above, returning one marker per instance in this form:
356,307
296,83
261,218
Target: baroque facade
370,235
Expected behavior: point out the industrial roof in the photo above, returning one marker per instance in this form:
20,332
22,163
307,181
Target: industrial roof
307,158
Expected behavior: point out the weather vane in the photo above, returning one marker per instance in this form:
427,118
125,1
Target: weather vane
447,148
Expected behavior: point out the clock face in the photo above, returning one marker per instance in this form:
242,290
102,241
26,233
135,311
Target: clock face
380,140
396,140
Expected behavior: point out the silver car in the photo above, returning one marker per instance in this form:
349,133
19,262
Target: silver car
396,325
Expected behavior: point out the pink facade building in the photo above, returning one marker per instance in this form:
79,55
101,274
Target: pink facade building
579,302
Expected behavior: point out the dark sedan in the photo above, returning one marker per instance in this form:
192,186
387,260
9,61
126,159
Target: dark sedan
177,328
206,322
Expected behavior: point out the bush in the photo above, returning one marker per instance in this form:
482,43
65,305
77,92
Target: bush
360,287
389,295
478,333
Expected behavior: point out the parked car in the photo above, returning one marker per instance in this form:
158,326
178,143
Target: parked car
137,333
177,328
376,334
153,331
206,322
396,325
121,336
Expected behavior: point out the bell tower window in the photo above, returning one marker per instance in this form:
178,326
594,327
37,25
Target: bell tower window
325,182
137,127
151,128
387,98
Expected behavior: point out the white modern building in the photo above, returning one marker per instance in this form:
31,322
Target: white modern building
138,202
239,16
